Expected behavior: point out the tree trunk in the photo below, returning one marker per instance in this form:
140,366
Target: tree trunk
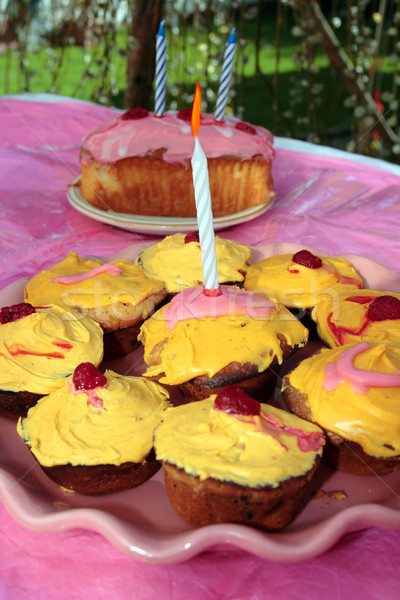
146,19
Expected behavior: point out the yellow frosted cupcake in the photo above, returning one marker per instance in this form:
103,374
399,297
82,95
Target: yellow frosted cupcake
118,295
356,316
95,434
352,392
297,280
229,458
39,348
176,261
202,343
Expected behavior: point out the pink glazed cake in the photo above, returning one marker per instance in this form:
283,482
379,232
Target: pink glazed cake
140,164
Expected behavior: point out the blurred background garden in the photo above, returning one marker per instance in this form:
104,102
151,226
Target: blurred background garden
323,71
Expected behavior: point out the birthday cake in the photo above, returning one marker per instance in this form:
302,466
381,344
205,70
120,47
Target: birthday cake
139,163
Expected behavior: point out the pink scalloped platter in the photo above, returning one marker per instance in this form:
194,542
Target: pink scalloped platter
141,522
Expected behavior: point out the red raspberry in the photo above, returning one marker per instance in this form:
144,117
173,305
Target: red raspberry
307,259
234,401
246,127
87,377
134,113
15,312
384,307
193,236
185,115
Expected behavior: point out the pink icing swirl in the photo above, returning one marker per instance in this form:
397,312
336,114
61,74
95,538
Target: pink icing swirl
191,303
307,441
341,278
71,279
360,380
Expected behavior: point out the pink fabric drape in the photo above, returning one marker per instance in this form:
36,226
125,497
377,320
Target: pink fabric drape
329,203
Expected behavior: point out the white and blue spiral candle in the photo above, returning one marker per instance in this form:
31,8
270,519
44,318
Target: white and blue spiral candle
202,196
226,75
161,71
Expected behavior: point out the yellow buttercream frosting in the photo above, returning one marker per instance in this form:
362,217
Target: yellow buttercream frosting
299,286
342,319
40,350
130,288
245,450
372,418
178,265
66,428
204,346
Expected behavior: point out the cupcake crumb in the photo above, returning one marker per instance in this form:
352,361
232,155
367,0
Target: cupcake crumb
318,494
337,494
332,494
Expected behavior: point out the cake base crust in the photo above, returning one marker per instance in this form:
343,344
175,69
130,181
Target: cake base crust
120,342
16,404
129,185
103,479
256,385
209,501
340,454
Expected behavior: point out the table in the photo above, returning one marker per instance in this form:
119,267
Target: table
326,199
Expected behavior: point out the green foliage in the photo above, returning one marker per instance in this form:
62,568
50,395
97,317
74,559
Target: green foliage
283,78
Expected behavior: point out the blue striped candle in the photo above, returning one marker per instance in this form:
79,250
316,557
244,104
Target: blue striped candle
161,71
225,81
202,197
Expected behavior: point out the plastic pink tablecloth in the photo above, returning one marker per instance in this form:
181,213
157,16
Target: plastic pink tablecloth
325,200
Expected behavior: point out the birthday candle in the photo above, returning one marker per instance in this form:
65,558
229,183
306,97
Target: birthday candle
225,81
161,71
203,205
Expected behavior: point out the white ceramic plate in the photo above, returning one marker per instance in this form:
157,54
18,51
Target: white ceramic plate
141,522
155,225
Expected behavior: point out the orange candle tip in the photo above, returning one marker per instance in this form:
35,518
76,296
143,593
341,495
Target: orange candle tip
212,293
196,110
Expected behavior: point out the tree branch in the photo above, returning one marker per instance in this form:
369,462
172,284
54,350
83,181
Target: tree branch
342,63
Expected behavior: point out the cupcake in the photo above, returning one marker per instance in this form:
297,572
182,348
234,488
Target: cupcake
352,392
39,348
202,343
118,295
297,280
94,435
230,459
176,261
364,315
